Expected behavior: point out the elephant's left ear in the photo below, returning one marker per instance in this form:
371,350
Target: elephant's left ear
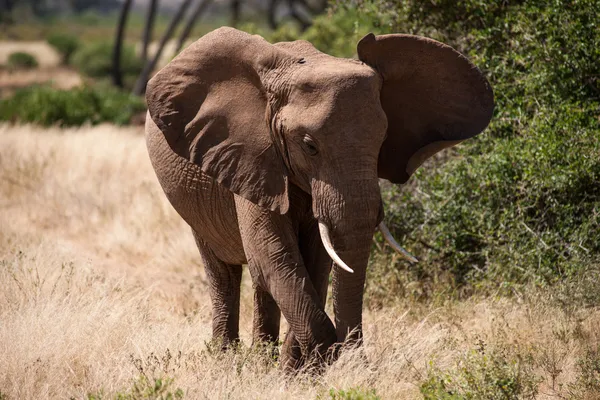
432,95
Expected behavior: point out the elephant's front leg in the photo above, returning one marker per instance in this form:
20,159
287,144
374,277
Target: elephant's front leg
318,264
275,262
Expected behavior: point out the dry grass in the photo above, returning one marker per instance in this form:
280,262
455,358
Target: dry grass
100,283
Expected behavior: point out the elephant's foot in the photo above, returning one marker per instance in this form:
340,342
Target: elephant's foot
221,343
294,360
291,354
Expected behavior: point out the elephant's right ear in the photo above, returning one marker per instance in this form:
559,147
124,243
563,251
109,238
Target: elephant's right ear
432,95
211,105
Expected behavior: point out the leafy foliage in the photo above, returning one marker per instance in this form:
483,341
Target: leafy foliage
483,374
95,60
21,60
587,385
90,104
65,44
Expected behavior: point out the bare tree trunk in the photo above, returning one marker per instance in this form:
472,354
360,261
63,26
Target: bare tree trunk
304,22
314,9
148,28
140,85
200,9
37,7
235,12
271,14
6,7
116,70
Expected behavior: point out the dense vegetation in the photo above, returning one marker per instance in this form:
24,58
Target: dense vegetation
520,204
45,105
94,103
64,44
95,60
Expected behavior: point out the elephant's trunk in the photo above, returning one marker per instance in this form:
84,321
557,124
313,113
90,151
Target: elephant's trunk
348,288
350,216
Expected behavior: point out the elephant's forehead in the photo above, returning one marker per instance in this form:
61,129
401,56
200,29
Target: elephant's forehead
328,73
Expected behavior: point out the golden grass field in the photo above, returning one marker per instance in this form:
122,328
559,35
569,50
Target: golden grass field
101,284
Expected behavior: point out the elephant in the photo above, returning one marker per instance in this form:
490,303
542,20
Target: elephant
272,154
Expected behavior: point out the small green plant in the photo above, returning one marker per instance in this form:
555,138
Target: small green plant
483,374
587,384
21,60
357,393
95,60
144,388
45,105
65,44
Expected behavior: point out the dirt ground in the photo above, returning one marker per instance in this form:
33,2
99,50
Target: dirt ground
49,71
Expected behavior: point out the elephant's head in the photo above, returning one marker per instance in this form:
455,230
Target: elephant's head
258,117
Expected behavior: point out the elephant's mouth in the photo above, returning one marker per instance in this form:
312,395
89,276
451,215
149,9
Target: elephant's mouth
327,243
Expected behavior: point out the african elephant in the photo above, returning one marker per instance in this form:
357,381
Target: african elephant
272,154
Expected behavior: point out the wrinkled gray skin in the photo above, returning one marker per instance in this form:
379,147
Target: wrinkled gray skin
254,144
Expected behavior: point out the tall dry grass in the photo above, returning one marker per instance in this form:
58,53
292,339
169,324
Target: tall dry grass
100,284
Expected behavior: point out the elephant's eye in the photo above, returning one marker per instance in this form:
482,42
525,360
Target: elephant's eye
310,146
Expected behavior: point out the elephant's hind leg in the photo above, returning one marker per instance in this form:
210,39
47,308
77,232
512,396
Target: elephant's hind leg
224,286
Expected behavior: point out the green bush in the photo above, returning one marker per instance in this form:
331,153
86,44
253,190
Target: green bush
65,44
483,374
587,384
144,388
91,104
21,60
350,394
95,60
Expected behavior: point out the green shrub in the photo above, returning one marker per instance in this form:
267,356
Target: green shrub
21,60
350,394
65,44
483,375
91,104
587,384
95,60
144,388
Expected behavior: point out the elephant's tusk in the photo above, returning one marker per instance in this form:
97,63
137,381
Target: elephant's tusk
324,231
392,242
